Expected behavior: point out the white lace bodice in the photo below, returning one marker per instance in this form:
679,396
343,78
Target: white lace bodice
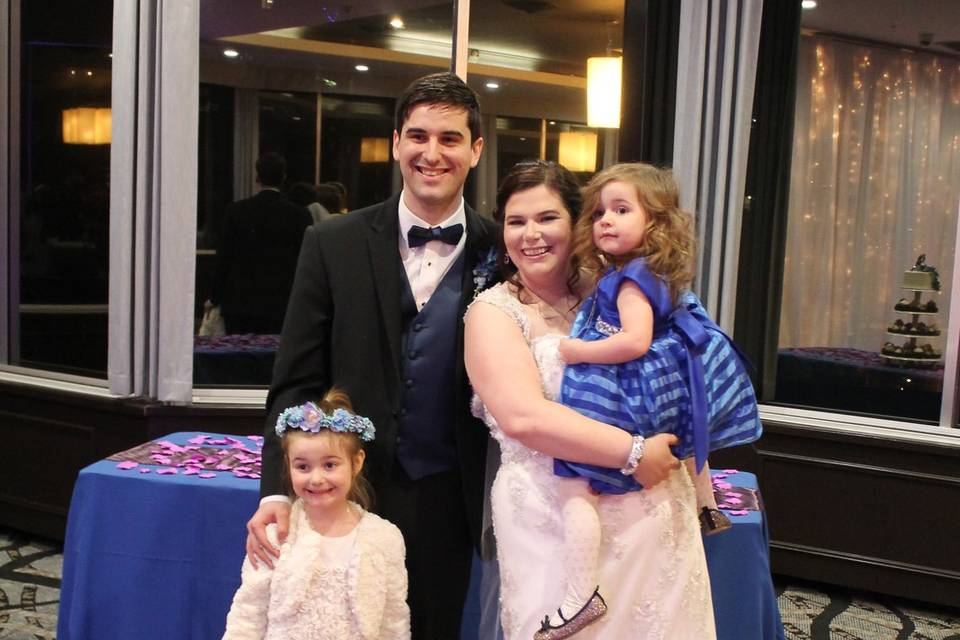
549,364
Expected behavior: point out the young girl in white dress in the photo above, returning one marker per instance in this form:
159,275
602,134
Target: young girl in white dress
341,570
646,358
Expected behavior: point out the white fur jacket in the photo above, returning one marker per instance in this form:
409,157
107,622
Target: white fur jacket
269,601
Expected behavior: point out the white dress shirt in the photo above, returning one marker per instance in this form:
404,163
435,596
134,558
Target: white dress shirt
427,264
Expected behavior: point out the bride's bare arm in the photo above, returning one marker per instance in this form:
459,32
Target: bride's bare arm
504,374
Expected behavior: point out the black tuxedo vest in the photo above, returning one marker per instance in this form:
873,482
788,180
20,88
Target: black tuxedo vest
426,442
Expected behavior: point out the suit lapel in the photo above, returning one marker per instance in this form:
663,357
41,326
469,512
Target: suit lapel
384,264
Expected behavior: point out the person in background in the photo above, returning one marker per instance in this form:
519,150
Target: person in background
331,198
306,195
257,254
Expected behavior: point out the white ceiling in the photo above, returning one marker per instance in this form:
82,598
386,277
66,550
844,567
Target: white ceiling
898,22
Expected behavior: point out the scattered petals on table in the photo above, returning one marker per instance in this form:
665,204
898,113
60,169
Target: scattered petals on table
207,476
738,512
731,471
206,454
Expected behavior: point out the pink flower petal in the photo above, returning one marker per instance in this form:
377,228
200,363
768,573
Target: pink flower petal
128,464
207,475
741,512
734,500
144,470
190,471
197,439
167,471
731,471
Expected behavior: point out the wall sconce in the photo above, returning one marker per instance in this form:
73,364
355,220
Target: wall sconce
578,150
86,125
603,92
374,150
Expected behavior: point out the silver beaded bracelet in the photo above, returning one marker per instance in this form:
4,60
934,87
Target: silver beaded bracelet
636,454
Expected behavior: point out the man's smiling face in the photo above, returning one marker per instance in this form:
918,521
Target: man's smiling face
435,152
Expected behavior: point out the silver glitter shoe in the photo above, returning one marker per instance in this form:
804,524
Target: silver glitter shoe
713,521
590,612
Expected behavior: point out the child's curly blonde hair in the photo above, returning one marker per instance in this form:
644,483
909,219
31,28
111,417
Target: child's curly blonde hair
668,243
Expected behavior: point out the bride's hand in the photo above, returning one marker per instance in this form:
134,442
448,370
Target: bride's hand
658,461
568,350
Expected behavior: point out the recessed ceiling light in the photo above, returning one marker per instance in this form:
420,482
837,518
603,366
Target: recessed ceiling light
89,74
397,23
553,122
808,4
493,85
328,82
231,53
362,67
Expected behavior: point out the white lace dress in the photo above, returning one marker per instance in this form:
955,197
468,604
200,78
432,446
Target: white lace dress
653,572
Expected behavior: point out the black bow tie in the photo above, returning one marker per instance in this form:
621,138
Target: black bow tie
418,236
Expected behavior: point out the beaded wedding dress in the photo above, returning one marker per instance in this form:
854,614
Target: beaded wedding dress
653,573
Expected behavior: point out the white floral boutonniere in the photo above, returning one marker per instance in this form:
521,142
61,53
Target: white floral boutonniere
484,273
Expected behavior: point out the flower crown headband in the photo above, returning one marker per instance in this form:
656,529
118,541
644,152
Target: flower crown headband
311,418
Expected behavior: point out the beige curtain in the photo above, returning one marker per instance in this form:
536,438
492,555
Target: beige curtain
875,183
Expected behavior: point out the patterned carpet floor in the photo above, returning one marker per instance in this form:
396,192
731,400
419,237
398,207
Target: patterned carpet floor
30,571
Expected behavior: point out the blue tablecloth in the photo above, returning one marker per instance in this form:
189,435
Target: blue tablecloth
158,556
152,556
744,602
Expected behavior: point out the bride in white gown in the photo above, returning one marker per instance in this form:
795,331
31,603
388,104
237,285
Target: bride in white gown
652,570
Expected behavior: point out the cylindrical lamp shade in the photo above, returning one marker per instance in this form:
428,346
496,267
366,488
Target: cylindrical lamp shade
86,125
374,150
578,150
603,92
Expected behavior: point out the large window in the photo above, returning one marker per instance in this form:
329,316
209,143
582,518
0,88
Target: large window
59,224
319,88
871,223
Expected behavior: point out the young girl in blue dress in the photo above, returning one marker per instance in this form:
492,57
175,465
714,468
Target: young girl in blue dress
644,356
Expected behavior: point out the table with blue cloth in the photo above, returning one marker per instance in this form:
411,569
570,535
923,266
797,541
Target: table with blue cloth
151,555
157,554
744,602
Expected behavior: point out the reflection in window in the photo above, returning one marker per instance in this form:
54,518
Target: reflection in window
290,82
874,186
64,166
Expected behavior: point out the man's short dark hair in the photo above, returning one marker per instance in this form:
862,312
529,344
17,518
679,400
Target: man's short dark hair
445,89
271,169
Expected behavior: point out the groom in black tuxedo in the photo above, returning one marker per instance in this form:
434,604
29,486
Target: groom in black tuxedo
377,309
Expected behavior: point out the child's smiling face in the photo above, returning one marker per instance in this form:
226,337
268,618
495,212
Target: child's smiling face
321,469
620,221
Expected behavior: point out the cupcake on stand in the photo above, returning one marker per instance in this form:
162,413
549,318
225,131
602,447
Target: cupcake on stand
913,335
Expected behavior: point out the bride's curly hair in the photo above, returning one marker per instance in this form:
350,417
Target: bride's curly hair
668,243
528,175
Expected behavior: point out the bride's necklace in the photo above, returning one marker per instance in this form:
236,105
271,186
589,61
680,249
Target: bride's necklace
549,312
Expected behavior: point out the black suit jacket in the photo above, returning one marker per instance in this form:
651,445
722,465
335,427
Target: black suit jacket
343,327
257,257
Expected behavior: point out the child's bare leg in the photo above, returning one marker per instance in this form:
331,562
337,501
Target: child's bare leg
712,520
581,543
702,484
